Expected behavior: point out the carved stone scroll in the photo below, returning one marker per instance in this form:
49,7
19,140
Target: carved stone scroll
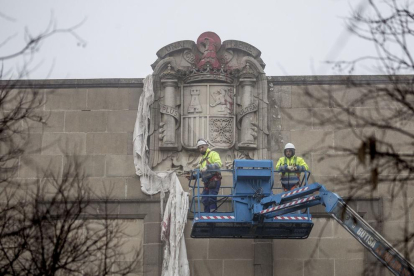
249,109
169,110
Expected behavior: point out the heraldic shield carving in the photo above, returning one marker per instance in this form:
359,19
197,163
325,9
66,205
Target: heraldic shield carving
208,89
208,112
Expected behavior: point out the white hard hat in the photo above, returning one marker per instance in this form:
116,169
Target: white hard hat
201,142
289,146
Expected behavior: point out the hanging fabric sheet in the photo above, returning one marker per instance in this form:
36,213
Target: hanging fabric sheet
175,262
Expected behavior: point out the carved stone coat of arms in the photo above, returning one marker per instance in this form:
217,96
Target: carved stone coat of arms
211,90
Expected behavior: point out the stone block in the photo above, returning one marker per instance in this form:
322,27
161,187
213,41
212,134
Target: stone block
130,144
296,119
134,93
353,96
133,228
52,121
133,190
377,268
85,121
153,213
107,188
140,208
131,248
329,165
283,96
152,232
396,231
275,118
231,249
136,268
30,143
263,253
298,249
370,210
291,267
65,99
108,98
344,267
106,143
346,188
152,270
350,138
405,122
396,189
21,98
121,121
197,248
340,249
208,268
365,115
322,228
120,165
64,143
238,267
319,267
38,166
187,229
401,143
310,96
153,254
86,165
18,190
339,232
312,141
329,119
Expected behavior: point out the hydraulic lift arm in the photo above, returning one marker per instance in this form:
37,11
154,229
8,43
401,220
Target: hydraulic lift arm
301,198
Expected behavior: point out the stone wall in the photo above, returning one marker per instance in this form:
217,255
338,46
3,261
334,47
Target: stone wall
94,120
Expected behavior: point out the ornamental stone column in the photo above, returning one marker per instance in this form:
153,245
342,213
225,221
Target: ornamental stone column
170,116
246,116
169,119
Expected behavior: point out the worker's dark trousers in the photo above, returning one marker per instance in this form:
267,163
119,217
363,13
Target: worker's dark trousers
210,203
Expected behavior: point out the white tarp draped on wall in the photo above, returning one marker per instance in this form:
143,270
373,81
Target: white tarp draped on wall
175,261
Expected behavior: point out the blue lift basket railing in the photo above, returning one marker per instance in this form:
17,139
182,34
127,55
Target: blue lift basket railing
254,211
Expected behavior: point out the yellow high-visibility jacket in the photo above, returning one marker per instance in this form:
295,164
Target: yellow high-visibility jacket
292,161
212,161
290,179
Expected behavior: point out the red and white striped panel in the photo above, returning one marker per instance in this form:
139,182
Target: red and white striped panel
295,192
291,218
215,217
289,204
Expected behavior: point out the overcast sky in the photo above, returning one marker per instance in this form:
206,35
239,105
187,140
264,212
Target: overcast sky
122,37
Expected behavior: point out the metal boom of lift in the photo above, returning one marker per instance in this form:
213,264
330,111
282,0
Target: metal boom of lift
258,213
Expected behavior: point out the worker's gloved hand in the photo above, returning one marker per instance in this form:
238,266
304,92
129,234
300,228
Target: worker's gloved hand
291,168
204,169
301,168
283,168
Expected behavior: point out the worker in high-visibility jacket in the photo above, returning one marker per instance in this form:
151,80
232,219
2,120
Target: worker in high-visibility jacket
290,167
209,164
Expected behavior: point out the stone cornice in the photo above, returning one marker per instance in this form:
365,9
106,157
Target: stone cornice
276,80
73,83
339,80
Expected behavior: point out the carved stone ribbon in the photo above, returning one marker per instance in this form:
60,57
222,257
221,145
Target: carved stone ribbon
248,109
169,110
